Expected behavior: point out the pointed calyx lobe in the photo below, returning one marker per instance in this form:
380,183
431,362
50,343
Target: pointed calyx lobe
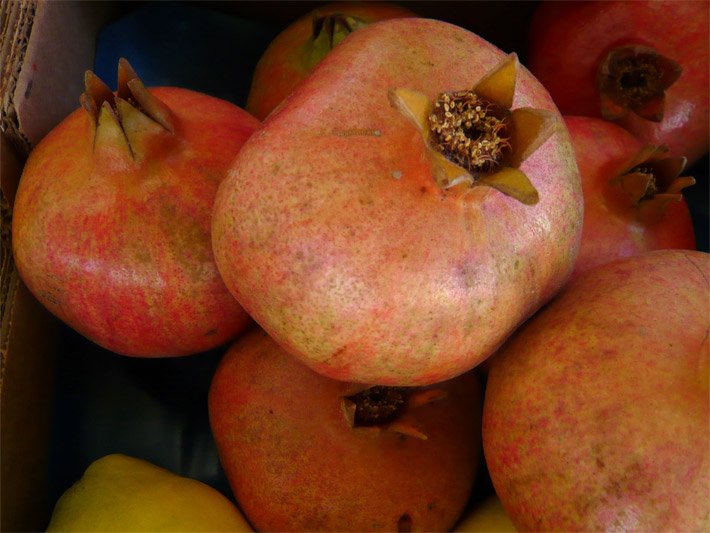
652,180
473,136
126,121
634,79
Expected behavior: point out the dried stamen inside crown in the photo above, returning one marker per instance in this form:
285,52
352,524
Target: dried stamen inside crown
637,79
378,405
471,131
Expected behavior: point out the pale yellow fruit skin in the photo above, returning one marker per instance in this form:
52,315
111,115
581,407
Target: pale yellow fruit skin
488,516
121,493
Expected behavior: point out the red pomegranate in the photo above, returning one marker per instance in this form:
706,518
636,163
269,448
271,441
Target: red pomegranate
303,452
397,221
111,224
643,64
301,46
632,198
596,413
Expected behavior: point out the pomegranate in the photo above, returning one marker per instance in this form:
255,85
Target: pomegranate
111,225
596,412
643,64
396,220
632,198
303,452
295,51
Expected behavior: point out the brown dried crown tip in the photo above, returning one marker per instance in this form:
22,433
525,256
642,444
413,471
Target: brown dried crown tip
652,180
388,408
132,111
474,138
634,79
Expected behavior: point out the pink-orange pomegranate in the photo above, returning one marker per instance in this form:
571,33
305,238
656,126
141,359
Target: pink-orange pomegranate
303,452
111,224
596,414
643,64
303,44
411,203
632,194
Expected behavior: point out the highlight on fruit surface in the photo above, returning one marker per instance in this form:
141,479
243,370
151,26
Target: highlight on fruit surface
391,241
473,136
304,43
633,199
303,452
111,224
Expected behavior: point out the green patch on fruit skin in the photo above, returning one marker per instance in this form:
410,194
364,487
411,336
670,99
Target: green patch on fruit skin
187,240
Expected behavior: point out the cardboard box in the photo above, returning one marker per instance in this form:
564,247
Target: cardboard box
39,82
64,401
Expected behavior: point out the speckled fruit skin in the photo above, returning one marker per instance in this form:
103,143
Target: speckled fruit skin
281,67
294,464
613,229
348,253
596,412
123,255
569,39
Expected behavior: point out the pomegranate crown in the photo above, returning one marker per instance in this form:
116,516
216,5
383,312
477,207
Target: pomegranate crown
127,119
652,180
474,138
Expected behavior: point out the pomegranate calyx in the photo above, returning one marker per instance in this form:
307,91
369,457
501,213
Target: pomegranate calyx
387,408
138,113
651,181
96,92
408,429
328,32
472,136
634,79
140,129
378,405
110,141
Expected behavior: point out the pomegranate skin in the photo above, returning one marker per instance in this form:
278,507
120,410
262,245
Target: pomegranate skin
283,65
569,39
611,229
596,411
358,263
122,253
295,464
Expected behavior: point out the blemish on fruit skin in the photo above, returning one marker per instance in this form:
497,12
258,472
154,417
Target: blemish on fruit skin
355,132
404,524
397,174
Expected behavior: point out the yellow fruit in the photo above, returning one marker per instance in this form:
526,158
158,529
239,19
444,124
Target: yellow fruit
121,493
487,516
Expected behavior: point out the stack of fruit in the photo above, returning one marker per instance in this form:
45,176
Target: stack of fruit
382,244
